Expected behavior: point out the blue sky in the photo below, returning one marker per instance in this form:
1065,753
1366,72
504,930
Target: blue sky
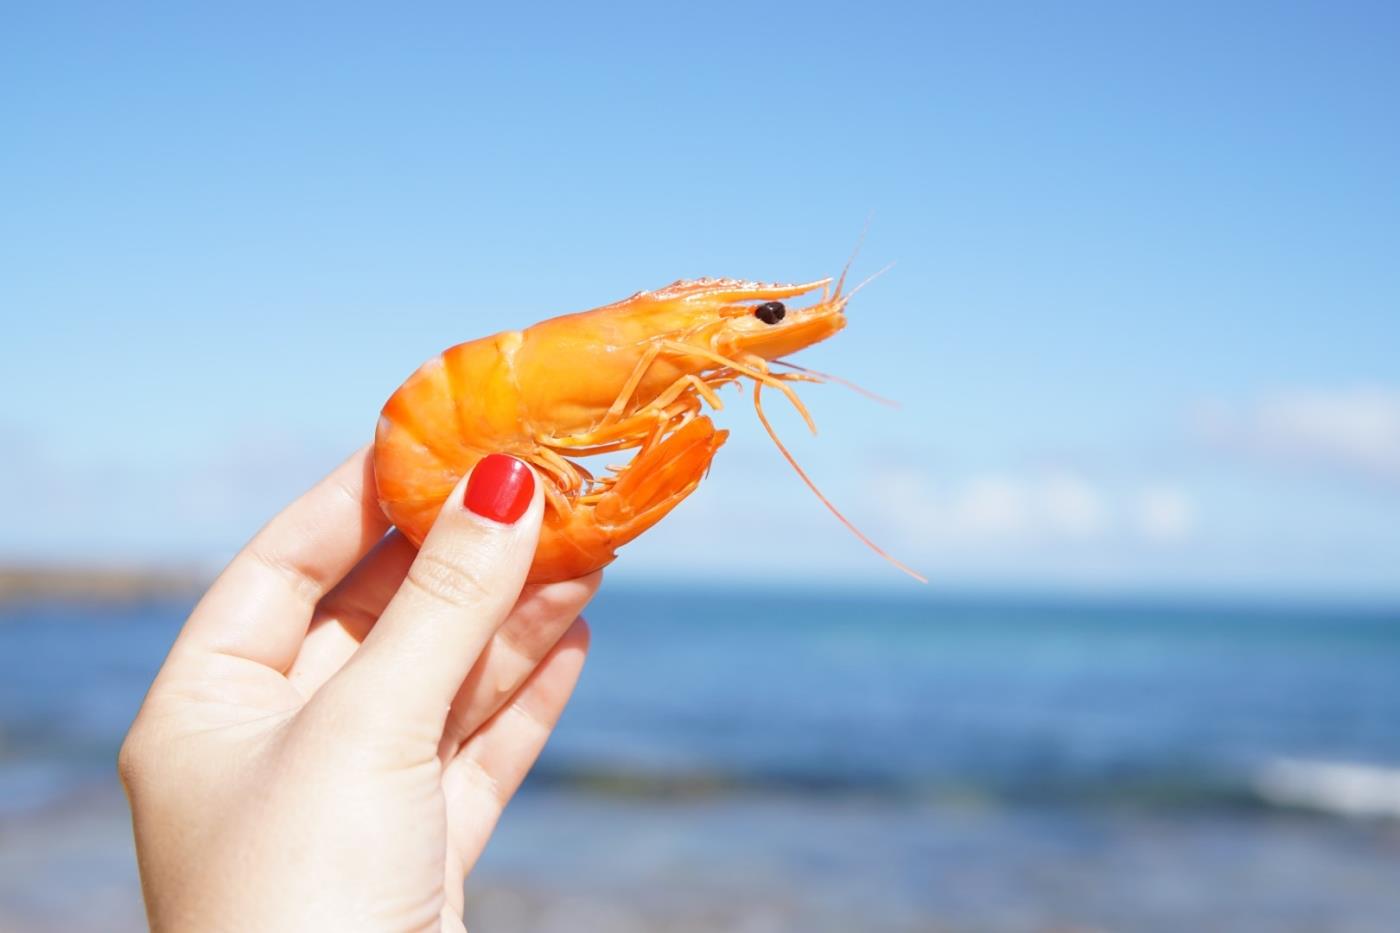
1144,319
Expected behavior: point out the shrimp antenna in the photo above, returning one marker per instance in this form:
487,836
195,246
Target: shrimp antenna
865,228
828,377
871,278
758,407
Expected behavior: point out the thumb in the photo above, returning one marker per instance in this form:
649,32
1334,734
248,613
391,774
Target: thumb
458,591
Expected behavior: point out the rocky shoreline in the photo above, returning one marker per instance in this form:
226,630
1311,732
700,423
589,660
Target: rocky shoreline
96,584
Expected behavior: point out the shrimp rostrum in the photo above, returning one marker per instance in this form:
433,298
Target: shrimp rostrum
634,375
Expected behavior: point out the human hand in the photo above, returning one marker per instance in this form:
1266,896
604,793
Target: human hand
337,727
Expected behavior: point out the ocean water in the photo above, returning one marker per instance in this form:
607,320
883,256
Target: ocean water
783,759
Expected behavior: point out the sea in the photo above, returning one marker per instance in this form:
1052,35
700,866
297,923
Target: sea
755,759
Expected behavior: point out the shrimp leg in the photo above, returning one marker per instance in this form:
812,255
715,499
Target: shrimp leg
643,424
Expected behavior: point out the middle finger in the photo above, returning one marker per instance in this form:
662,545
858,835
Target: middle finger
540,618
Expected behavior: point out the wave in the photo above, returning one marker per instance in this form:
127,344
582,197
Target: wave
1343,788
1324,788
1346,790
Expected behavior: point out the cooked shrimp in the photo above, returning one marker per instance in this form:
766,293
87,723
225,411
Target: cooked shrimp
634,374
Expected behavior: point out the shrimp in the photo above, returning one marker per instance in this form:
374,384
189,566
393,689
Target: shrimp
630,375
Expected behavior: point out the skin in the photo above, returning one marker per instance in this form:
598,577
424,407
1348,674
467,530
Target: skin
338,726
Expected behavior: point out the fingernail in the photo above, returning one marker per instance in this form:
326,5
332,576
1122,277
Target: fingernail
500,489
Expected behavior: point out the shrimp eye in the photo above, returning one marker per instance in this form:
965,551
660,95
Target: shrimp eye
770,312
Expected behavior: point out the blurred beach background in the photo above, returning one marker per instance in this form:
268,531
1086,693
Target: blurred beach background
1143,323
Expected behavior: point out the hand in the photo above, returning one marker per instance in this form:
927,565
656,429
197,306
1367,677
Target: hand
337,727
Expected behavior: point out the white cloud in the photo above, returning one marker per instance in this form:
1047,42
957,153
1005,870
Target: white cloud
1041,507
991,506
1072,507
1164,513
1357,430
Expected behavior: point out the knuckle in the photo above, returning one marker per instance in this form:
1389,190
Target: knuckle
530,718
476,777
349,490
131,758
583,632
447,580
353,614
280,564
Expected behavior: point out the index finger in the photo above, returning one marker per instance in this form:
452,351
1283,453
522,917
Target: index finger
260,606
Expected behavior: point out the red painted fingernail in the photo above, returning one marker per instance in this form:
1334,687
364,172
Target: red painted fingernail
500,489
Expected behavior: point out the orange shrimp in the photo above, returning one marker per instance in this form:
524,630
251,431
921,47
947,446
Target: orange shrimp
627,375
